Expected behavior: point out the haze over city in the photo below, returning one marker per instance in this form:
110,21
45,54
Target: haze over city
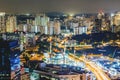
67,6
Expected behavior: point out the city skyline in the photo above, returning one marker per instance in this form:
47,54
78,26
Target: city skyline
73,6
59,40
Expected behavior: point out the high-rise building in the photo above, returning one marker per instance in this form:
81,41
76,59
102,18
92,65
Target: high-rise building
82,29
41,23
32,26
2,22
115,27
116,19
57,29
51,28
38,20
100,14
20,27
11,24
75,28
37,24
30,21
9,60
44,23
98,24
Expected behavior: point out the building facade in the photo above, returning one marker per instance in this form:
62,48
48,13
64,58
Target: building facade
2,22
11,24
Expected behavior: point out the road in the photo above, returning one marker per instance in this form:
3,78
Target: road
98,72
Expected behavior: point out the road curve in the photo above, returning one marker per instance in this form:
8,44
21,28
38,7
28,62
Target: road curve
97,71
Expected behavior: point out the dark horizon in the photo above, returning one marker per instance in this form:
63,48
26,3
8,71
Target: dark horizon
65,6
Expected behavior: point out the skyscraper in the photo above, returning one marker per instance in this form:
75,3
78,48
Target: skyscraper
11,24
57,29
9,60
2,22
116,19
41,22
44,23
75,27
51,27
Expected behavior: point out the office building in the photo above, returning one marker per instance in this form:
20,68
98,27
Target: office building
9,60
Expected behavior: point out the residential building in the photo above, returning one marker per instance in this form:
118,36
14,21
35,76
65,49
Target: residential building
11,24
2,22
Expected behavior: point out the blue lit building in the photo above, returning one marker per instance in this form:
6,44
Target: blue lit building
9,60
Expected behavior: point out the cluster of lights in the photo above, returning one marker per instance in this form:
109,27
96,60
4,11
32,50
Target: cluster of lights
2,13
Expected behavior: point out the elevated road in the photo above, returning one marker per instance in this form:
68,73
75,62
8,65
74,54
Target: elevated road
97,71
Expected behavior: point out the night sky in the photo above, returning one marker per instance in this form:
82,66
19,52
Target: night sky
67,6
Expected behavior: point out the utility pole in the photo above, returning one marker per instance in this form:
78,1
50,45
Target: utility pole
50,50
50,47
50,40
74,47
114,53
64,60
